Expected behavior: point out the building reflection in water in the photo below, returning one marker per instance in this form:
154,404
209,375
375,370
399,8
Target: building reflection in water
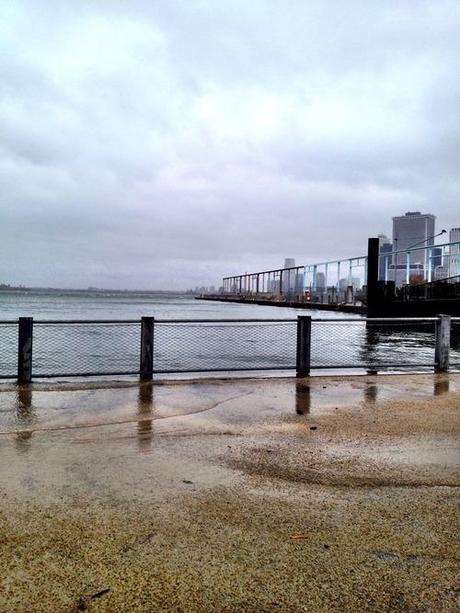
145,421
302,397
24,416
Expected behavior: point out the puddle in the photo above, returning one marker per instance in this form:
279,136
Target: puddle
30,408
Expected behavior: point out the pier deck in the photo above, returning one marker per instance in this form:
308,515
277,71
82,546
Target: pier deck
344,308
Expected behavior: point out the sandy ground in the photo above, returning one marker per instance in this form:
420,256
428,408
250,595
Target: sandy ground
329,494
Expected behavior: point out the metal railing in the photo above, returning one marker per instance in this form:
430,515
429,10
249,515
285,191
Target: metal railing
81,348
441,289
415,264
8,349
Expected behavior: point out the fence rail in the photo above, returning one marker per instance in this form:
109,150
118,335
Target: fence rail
80,348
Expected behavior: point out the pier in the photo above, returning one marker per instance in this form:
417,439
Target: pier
376,284
280,302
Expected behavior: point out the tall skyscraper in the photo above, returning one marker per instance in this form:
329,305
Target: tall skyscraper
454,253
412,229
289,278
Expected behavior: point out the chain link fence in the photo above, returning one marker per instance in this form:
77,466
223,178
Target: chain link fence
85,348
90,348
8,349
227,346
382,345
455,343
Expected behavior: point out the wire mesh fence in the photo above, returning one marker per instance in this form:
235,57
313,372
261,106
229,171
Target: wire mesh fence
8,349
372,345
455,343
227,346
84,348
77,349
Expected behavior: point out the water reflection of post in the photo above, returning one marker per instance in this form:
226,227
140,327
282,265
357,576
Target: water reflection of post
441,386
368,352
24,416
144,411
302,397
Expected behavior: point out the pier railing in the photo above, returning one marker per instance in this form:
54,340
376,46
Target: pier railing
339,280
147,347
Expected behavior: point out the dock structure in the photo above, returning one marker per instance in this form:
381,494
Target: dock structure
369,284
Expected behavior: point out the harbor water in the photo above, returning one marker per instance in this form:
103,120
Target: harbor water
232,346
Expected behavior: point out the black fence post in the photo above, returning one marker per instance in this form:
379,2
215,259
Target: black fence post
441,354
147,328
374,306
303,346
25,335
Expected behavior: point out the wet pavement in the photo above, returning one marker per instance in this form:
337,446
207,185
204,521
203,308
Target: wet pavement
325,494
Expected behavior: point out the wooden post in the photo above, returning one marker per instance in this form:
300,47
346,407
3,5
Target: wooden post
303,346
147,328
374,307
441,355
25,334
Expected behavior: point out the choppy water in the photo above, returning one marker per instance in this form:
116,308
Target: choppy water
104,348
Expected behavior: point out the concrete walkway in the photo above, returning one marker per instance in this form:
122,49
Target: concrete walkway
329,494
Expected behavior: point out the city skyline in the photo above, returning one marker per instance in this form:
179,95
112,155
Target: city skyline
165,145
387,246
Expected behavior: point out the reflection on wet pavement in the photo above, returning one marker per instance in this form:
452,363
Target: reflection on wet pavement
26,409
302,397
189,489
25,417
145,411
441,386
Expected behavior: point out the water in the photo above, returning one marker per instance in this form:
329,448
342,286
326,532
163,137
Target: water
68,304
103,348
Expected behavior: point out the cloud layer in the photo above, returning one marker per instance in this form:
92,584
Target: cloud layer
168,144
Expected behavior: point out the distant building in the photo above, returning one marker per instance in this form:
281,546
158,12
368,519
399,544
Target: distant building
320,281
441,272
436,257
346,282
289,277
454,253
409,230
385,247
299,282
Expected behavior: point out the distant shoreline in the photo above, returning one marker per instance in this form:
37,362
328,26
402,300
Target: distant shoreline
93,290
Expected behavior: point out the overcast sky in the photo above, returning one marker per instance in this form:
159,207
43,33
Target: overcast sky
166,143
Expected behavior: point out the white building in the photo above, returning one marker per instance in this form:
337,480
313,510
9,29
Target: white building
454,253
409,230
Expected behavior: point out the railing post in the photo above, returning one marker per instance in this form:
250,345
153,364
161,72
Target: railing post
441,355
374,306
303,346
147,328
25,334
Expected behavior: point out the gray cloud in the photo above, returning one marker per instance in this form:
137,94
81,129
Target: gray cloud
166,144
